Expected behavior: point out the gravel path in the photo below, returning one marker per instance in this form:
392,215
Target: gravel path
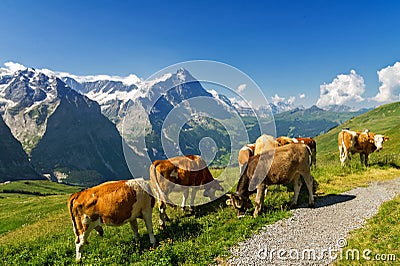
314,236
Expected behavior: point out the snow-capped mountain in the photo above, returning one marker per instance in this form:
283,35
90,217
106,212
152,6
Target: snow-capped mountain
62,131
27,99
153,99
161,93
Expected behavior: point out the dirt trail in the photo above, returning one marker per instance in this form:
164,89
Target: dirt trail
314,236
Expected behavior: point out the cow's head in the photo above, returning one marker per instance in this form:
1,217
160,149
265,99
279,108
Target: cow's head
379,140
239,203
211,188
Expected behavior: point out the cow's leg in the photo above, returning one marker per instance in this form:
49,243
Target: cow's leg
149,225
78,247
193,197
343,154
362,156
163,214
259,199
185,195
309,179
296,186
82,238
366,159
135,229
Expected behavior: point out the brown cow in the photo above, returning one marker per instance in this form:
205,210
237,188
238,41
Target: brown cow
111,203
363,143
179,174
286,166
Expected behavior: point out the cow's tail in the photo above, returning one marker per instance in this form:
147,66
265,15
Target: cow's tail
71,213
154,177
342,151
310,159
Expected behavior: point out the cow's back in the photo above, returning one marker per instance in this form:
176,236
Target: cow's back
286,160
289,159
191,170
282,141
100,201
310,142
264,143
143,194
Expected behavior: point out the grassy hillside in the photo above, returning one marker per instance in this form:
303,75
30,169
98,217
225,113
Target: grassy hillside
27,202
333,178
382,120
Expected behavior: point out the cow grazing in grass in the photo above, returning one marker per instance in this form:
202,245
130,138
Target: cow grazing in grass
179,174
363,143
286,165
111,203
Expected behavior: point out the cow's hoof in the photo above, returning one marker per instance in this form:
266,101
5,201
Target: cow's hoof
311,205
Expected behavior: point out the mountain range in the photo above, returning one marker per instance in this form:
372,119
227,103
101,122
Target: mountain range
77,131
62,131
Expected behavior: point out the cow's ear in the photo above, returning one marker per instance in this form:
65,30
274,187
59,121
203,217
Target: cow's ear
385,138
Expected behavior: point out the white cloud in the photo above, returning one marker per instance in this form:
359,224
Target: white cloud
302,96
276,100
389,91
11,67
241,87
344,89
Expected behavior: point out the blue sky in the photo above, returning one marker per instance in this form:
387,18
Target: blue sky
289,48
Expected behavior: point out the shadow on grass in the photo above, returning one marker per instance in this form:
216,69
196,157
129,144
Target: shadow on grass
182,229
186,225
382,164
329,200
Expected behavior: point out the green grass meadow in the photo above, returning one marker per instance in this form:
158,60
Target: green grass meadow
35,228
